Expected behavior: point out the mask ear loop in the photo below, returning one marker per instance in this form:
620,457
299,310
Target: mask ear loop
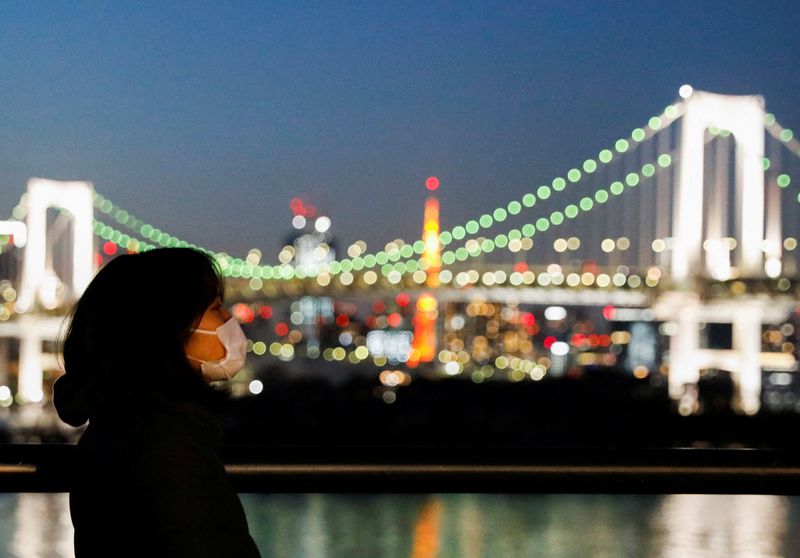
207,332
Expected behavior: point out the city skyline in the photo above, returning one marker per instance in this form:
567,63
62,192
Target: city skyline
208,122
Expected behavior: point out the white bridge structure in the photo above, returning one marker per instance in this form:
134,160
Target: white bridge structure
678,219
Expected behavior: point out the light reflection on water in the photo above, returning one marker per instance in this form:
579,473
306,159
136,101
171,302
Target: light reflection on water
465,525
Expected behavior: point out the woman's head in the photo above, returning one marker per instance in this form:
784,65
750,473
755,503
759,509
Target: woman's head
129,330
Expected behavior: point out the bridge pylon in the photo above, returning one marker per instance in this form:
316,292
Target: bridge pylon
77,198
39,281
743,116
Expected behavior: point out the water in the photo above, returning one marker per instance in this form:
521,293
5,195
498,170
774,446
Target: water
466,526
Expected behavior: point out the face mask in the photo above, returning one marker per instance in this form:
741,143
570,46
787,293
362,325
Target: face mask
233,339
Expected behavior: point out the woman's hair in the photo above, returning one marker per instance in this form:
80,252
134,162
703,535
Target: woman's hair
125,340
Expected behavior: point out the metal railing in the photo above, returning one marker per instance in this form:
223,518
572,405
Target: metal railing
393,469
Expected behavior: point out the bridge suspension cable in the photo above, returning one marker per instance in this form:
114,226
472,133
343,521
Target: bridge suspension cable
471,227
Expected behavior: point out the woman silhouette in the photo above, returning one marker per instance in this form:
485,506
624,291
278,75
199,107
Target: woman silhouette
144,340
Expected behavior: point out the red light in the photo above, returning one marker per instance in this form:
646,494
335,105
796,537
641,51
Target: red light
578,339
520,267
528,319
394,319
297,206
265,312
243,313
548,341
370,322
378,307
109,248
281,329
432,183
402,299
342,320
98,260
591,267
609,312
604,340
594,340
310,211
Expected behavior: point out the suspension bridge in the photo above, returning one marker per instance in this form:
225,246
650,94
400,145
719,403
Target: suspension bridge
689,218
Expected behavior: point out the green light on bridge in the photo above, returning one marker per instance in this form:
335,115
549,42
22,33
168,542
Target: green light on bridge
543,192
601,196
121,216
556,217
528,200
574,175
586,204
621,146
514,207
638,135
632,179
589,166
605,156
559,184
784,180
571,211
542,224
664,160
786,135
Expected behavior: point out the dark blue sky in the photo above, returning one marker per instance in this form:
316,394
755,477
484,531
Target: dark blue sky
206,118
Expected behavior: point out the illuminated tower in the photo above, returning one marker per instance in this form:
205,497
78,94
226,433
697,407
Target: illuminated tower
432,256
423,347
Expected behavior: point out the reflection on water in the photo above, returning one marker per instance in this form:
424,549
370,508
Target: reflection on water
753,525
465,525
472,525
35,526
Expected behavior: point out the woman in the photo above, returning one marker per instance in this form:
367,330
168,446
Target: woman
145,339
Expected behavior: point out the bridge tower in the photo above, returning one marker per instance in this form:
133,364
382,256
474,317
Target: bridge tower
37,285
743,116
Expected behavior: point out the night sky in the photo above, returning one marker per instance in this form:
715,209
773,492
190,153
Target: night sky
204,119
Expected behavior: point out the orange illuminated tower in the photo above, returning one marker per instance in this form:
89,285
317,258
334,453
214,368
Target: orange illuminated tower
423,347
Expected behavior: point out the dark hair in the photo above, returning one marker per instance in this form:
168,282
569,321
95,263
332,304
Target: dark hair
126,336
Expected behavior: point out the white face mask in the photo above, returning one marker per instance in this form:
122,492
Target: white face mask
233,339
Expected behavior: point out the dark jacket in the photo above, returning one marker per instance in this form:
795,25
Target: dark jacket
150,482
